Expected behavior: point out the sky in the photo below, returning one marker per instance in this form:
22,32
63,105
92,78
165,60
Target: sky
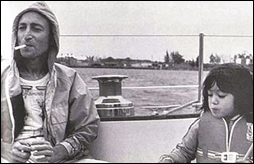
180,21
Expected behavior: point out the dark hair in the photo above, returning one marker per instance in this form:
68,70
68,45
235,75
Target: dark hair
235,79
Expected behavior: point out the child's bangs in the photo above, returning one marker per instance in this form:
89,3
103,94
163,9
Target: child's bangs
222,82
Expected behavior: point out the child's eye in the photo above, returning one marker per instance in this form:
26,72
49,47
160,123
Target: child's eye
222,96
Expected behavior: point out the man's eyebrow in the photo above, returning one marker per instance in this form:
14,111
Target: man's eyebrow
32,24
37,24
22,24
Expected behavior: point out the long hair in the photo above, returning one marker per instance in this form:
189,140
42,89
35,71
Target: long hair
235,79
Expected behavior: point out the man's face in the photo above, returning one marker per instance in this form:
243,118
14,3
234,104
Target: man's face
33,31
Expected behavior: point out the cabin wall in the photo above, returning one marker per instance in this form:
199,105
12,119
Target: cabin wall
141,141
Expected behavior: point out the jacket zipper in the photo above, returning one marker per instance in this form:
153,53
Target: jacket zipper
230,135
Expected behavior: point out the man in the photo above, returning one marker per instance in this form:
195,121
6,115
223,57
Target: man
47,111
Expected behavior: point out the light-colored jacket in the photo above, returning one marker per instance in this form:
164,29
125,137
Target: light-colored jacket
208,137
71,116
216,138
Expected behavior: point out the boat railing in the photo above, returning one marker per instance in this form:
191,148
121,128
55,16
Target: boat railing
153,87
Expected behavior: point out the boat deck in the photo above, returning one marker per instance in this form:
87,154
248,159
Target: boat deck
139,141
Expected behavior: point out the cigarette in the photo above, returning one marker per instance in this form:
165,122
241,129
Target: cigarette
19,47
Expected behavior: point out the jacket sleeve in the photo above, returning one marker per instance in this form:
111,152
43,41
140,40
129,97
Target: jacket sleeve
83,122
185,151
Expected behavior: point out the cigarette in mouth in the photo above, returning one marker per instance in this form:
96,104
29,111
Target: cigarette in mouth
19,47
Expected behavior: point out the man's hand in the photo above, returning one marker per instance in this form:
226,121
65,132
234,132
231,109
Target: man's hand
42,151
59,153
20,152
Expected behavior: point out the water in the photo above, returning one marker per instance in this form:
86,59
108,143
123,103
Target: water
148,97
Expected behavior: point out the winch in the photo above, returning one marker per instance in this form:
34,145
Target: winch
111,102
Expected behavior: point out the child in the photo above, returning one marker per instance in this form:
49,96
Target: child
224,131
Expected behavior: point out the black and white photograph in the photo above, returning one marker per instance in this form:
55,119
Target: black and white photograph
126,81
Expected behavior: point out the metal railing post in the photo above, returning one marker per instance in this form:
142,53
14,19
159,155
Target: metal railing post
200,65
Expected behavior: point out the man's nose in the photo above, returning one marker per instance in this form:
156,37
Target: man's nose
28,35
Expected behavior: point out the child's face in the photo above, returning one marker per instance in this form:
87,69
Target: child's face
220,103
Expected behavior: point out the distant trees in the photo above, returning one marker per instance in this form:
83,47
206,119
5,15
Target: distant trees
174,57
243,57
214,59
167,58
90,60
192,63
197,61
240,57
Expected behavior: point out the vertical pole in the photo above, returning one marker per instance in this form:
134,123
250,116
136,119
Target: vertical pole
200,64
